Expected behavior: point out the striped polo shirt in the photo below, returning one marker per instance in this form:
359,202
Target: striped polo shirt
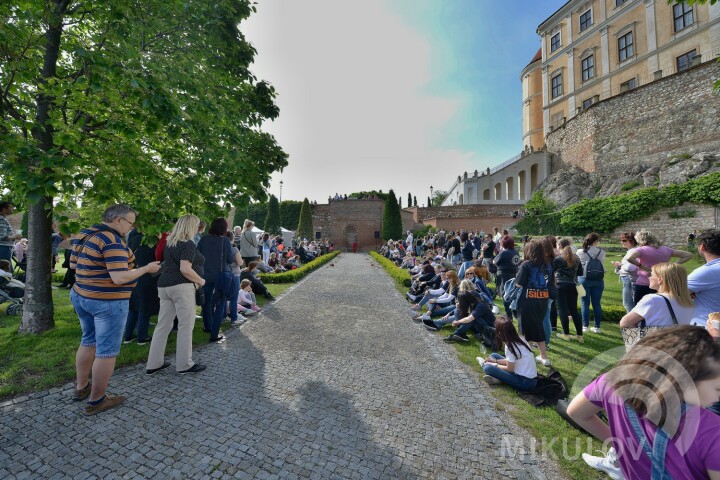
97,251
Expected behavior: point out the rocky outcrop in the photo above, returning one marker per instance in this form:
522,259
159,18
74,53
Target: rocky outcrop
570,185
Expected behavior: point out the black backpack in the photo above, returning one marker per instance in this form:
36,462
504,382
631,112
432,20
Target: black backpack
594,269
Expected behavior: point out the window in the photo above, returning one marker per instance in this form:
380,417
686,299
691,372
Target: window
587,103
686,61
683,16
585,20
619,2
556,120
629,85
555,42
588,68
625,46
556,83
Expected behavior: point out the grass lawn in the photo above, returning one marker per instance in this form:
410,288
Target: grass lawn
36,362
569,358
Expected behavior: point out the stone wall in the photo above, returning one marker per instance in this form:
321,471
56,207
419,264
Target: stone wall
674,231
675,115
463,211
341,221
485,224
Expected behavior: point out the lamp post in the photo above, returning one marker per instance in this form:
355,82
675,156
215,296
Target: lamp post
281,184
431,196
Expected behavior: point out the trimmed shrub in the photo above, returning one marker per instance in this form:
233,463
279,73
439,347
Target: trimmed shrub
272,219
305,225
294,275
391,220
400,275
612,313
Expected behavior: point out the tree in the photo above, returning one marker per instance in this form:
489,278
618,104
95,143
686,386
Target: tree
272,220
290,213
392,221
429,203
414,201
305,225
409,204
150,103
438,197
400,203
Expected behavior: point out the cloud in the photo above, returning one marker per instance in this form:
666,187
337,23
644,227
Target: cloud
355,114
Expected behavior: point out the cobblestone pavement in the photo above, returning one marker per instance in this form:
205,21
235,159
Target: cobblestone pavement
331,381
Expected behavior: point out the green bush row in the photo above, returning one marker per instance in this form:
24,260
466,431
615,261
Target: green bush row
605,214
295,275
400,275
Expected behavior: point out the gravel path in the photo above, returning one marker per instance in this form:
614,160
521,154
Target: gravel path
331,381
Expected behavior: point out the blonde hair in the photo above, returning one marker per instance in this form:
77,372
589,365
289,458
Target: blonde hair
184,229
466,286
674,279
248,224
644,237
245,282
452,277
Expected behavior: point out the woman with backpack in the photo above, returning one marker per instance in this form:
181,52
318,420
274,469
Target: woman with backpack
592,257
535,277
517,368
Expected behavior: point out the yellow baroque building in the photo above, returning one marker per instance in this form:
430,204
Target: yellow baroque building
592,50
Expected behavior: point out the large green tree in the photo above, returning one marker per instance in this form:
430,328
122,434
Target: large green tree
392,221
146,102
272,220
305,225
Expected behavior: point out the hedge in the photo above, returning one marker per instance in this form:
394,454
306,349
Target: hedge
400,275
295,275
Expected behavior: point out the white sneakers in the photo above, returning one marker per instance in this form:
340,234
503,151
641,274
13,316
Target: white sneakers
544,361
595,329
608,464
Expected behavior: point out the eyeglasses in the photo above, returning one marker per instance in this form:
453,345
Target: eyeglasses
129,222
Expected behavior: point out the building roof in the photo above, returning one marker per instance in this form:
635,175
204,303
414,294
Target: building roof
553,15
538,56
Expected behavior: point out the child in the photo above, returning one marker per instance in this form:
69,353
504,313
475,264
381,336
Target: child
247,305
517,367
5,269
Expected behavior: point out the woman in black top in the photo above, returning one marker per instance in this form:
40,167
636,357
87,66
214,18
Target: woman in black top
144,301
507,263
181,275
567,268
218,253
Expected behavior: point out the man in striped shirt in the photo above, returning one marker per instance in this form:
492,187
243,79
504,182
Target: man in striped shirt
101,296
7,234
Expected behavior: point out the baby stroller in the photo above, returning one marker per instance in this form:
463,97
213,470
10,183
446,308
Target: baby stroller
13,291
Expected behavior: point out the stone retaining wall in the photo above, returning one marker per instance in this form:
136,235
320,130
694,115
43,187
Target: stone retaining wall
675,115
674,231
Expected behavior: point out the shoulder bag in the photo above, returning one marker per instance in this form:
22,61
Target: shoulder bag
632,335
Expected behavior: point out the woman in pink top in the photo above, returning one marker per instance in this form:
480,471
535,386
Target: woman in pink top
645,256
656,401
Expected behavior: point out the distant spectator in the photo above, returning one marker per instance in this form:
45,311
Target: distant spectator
7,234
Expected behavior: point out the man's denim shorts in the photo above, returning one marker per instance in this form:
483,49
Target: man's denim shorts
102,322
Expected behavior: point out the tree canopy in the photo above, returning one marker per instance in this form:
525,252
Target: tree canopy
147,103
305,225
392,220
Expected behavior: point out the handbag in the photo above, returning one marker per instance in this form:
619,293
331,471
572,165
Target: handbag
199,295
632,335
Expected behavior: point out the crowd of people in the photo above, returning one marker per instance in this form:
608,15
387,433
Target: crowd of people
451,275
119,285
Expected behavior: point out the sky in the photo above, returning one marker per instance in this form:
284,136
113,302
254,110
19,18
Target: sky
393,94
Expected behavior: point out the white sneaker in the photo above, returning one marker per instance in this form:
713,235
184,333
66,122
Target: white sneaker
495,309
595,330
480,360
544,361
607,464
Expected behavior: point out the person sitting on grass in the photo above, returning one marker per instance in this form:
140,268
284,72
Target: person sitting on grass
256,284
247,304
517,367
445,303
432,292
473,313
419,283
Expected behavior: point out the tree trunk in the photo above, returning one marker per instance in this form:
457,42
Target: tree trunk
38,309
